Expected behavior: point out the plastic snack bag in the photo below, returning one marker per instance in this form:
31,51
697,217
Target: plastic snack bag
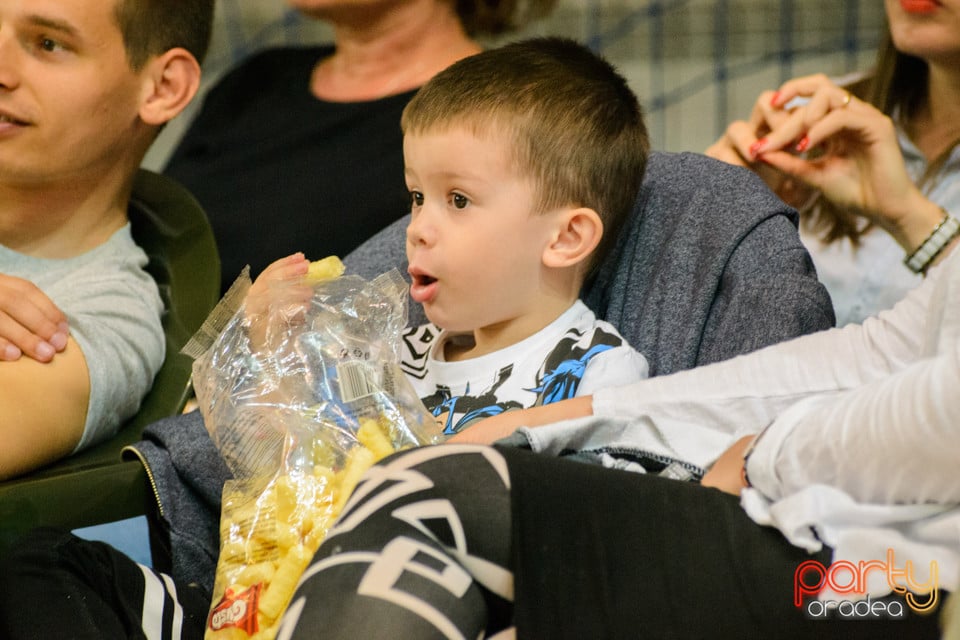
301,393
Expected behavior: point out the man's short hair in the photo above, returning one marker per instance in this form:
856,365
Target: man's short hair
152,27
574,125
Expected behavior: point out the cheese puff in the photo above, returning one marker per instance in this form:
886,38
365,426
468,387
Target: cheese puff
372,437
266,633
259,572
359,459
288,535
233,551
325,269
313,539
227,633
287,490
274,600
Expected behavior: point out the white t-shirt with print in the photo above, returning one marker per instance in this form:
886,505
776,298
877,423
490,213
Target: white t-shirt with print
574,355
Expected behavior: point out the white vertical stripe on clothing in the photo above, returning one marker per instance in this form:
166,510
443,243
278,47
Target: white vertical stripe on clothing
151,620
177,623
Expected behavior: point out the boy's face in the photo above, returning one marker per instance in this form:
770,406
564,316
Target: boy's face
474,242
69,100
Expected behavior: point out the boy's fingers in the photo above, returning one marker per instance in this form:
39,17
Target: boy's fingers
286,265
288,268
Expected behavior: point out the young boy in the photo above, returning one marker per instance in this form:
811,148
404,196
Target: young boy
522,163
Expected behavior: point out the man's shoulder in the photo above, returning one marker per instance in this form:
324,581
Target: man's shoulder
102,282
118,253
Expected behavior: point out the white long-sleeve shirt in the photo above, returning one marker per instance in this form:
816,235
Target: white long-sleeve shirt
863,443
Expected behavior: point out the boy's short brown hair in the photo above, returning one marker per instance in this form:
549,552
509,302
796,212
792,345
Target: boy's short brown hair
152,27
576,128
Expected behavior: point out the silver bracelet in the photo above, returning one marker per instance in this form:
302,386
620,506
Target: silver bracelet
919,261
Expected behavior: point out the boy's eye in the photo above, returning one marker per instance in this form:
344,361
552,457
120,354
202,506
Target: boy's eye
49,45
416,198
459,201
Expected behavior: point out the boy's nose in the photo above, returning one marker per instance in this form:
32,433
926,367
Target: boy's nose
419,230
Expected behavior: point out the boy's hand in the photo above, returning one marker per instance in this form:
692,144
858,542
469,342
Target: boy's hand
278,281
278,288
30,324
288,269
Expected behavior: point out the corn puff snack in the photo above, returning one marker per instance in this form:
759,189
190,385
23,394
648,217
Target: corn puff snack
301,400
325,269
268,540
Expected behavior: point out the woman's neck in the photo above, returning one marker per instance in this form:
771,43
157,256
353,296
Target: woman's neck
935,127
399,50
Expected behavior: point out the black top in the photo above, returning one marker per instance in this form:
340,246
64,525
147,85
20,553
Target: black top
279,171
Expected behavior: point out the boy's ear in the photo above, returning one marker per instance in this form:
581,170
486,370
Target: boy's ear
576,236
170,81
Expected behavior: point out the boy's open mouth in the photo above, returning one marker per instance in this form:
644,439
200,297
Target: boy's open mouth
423,280
423,287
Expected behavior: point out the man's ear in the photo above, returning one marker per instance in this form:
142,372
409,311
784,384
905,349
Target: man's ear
575,237
170,81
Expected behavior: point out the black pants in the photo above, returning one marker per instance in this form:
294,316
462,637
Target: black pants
56,586
465,542
462,542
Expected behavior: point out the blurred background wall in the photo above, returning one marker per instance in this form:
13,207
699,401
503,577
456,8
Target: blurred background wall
696,64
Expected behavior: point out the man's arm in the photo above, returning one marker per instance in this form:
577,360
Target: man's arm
43,408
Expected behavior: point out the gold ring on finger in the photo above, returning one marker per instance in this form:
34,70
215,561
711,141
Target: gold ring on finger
846,99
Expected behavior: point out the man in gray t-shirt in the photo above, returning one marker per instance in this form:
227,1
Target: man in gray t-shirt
82,97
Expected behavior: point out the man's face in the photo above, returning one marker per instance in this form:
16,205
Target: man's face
69,100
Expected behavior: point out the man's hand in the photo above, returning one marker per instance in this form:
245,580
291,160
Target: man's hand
30,324
726,473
